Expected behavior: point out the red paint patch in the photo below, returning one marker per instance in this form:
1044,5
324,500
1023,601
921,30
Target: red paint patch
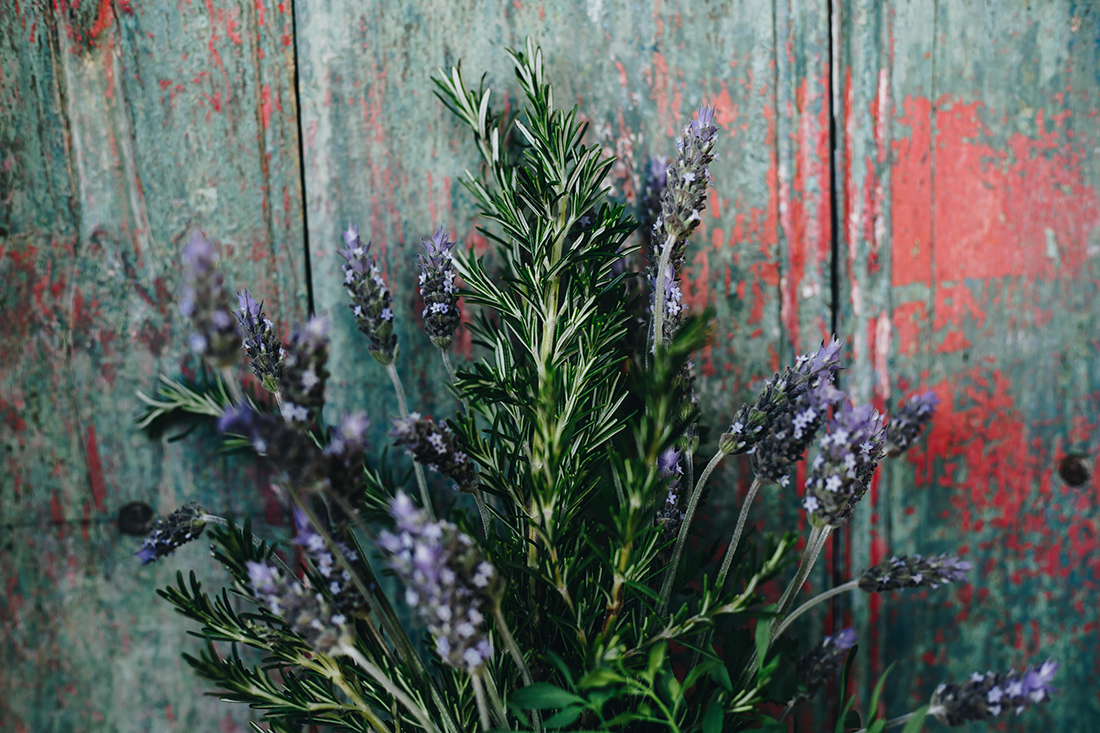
95,470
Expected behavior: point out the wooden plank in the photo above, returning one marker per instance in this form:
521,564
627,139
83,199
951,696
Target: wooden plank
121,128
990,208
381,151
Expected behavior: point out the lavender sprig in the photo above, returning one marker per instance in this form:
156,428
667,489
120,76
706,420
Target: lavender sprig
447,580
340,585
266,354
787,416
987,696
433,446
437,288
214,332
304,373
305,611
670,515
178,528
817,667
913,571
842,471
371,301
909,421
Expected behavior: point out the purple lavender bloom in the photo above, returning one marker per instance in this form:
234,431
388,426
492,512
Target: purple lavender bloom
913,571
265,353
815,668
987,696
371,301
785,398
670,516
437,288
337,581
214,332
178,528
294,459
304,610
908,422
842,471
447,580
304,373
433,446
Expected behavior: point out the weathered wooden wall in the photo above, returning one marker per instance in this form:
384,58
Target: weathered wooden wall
966,176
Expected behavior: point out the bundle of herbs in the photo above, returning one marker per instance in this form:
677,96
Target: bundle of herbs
562,594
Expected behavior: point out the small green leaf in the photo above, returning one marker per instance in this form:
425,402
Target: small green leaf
873,707
763,639
712,721
565,717
600,678
721,677
543,696
656,661
916,723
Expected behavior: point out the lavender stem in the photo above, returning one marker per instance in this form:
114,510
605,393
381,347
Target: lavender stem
479,693
849,586
736,540
659,294
403,407
685,528
380,677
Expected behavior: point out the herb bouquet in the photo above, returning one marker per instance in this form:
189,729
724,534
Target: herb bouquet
559,595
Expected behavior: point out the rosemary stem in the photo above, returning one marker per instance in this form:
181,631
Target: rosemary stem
380,677
849,586
403,407
685,528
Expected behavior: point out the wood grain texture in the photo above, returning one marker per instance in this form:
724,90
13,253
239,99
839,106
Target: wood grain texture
121,128
380,150
970,189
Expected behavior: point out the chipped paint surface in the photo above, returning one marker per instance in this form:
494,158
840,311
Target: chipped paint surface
122,125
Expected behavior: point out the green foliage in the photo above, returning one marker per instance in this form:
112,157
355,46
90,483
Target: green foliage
566,416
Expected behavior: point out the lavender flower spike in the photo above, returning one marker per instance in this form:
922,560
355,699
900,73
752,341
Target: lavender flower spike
784,397
913,571
370,298
817,667
178,528
447,580
909,421
437,288
306,612
850,453
433,446
304,372
214,333
265,354
670,516
987,696
685,190
341,589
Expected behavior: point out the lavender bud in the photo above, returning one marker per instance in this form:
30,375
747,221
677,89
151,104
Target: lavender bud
370,298
685,189
345,453
670,516
909,421
987,696
305,611
447,580
674,303
784,397
842,471
433,446
214,333
817,667
304,373
437,288
294,458
265,353
338,581
178,528
913,571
